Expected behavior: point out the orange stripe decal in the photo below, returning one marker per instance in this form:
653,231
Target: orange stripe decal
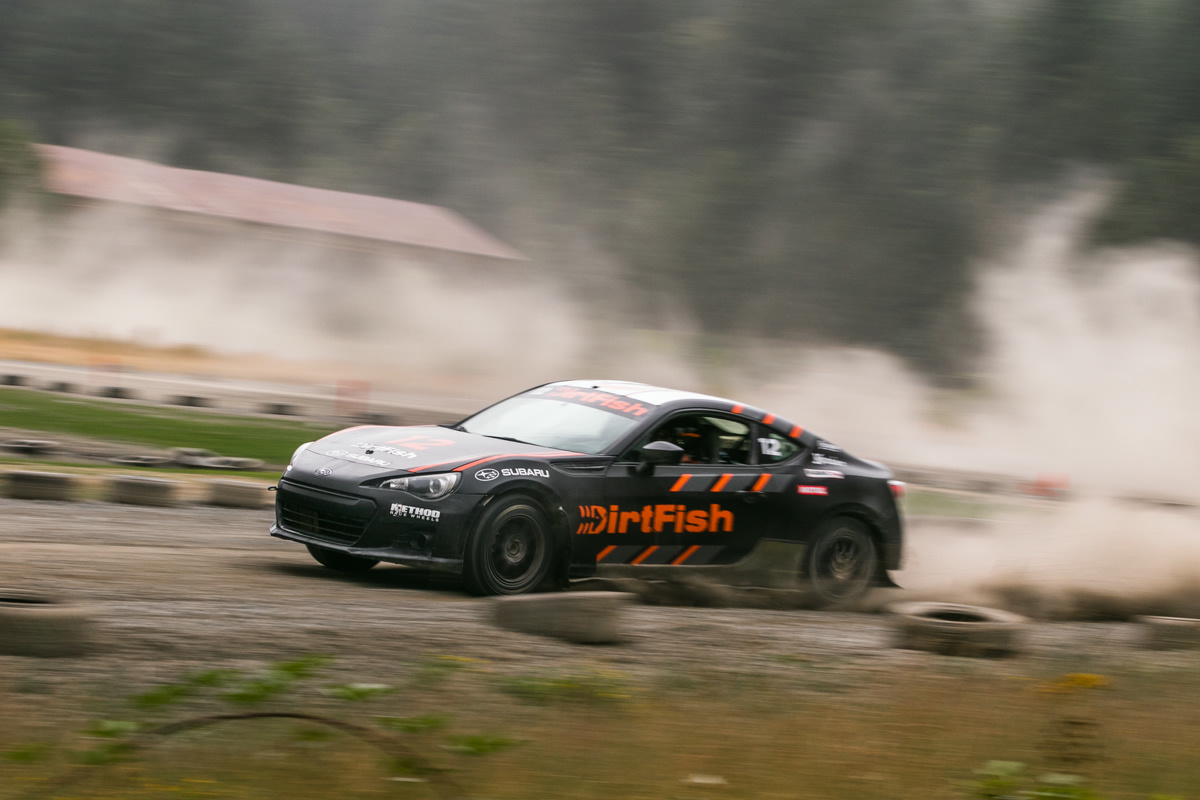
644,555
720,484
768,419
603,554
679,484
761,482
738,409
795,432
556,454
685,555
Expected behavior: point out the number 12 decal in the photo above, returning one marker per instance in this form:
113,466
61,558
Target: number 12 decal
770,447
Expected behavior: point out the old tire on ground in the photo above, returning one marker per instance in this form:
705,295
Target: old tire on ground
510,550
954,629
236,494
841,562
342,562
1171,633
141,490
29,485
33,624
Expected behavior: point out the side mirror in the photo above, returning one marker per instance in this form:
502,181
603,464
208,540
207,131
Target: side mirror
660,453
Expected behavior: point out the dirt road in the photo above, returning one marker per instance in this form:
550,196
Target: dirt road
186,588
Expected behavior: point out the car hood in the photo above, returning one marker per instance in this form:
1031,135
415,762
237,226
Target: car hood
372,449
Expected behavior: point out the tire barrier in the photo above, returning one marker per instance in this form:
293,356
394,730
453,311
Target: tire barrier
229,462
191,401
41,626
141,461
116,393
190,456
236,494
1171,633
956,630
580,617
14,380
280,409
30,447
28,485
142,491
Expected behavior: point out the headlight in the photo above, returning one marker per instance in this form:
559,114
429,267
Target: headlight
430,487
299,450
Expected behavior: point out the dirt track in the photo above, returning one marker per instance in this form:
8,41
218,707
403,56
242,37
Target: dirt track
195,587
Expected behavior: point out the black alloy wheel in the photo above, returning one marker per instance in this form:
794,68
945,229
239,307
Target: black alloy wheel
510,549
842,562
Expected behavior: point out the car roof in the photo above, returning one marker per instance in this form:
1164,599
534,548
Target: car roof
646,393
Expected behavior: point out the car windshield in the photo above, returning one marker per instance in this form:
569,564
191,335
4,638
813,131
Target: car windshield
551,423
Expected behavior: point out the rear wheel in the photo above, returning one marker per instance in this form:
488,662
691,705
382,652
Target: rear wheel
842,561
509,551
342,562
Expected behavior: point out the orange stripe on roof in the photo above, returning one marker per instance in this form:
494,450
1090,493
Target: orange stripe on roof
685,555
645,554
761,482
721,481
738,409
603,554
795,432
679,484
768,419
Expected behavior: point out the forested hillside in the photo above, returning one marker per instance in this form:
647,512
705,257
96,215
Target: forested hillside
820,169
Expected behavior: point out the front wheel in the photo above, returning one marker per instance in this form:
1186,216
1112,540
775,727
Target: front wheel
841,562
509,551
342,562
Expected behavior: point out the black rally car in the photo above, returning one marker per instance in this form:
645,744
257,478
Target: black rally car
584,478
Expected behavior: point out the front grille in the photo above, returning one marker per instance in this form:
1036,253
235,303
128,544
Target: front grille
320,523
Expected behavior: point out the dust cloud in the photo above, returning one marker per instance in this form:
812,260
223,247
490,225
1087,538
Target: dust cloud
1091,372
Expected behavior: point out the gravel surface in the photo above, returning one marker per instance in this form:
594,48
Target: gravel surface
178,589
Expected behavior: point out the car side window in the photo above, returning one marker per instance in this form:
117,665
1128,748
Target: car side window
774,448
705,439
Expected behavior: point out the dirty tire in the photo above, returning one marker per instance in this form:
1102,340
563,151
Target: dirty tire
41,626
29,485
1171,633
510,550
342,562
953,629
841,562
236,494
141,490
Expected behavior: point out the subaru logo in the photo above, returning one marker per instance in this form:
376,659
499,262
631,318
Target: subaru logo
486,475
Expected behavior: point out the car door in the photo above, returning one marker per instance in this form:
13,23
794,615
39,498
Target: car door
710,509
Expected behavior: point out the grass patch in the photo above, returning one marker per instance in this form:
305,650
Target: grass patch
929,732
936,503
243,437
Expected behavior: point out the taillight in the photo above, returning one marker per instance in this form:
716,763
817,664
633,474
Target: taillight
897,488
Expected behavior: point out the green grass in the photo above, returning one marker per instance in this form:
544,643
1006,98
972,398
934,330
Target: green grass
951,504
919,733
273,441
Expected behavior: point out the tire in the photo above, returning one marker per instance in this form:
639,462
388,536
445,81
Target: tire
510,551
842,562
953,629
337,560
35,625
1171,633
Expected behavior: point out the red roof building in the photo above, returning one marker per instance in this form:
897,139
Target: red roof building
351,221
